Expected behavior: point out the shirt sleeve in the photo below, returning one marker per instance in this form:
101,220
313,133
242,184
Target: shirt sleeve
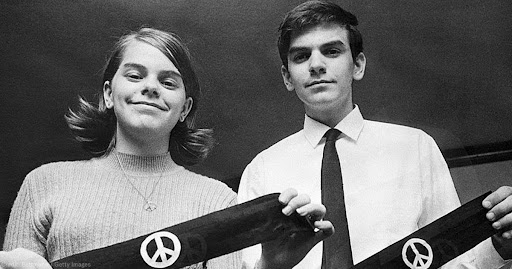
482,256
251,183
21,229
250,188
438,191
440,198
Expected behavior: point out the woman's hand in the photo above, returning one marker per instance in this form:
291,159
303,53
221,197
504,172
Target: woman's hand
21,258
286,252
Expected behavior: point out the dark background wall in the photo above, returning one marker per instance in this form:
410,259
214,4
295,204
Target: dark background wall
443,66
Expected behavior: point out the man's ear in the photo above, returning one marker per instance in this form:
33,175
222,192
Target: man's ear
107,95
186,108
359,66
286,78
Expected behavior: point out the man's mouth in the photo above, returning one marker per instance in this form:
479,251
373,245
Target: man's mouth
316,82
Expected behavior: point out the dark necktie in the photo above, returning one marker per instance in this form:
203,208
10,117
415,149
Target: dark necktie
337,253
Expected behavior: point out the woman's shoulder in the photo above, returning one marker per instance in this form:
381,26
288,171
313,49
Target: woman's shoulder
212,191
52,172
51,177
60,167
207,182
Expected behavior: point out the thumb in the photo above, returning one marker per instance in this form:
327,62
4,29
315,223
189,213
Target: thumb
325,229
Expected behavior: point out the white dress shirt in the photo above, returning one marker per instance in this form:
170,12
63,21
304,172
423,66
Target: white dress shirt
395,182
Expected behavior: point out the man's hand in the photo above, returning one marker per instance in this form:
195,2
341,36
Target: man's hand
286,252
21,258
499,204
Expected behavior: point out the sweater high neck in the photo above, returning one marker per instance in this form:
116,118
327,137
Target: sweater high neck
155,164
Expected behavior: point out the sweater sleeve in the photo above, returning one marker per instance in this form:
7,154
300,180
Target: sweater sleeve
231,260
21,229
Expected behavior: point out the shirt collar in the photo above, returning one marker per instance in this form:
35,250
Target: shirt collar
351,126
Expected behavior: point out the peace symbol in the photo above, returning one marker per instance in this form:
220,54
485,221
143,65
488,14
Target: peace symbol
162,251
420,261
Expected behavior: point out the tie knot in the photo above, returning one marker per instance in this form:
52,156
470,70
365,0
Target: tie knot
332,134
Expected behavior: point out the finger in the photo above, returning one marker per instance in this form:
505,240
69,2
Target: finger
501,210
315,211
507,234
503,222
287,195
497,196
296,202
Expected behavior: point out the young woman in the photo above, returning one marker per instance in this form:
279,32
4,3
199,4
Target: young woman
142,132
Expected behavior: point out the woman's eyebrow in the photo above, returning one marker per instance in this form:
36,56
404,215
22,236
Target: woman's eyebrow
173,73
134,65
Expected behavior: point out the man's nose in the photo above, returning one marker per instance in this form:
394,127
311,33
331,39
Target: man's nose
317,64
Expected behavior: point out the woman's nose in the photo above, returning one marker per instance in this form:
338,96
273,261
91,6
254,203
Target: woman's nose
151,88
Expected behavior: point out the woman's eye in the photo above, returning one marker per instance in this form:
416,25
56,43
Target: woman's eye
169,84
133,76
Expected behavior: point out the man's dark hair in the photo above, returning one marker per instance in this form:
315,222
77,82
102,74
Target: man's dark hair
313,13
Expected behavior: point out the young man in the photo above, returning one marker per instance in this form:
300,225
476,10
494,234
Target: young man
395,179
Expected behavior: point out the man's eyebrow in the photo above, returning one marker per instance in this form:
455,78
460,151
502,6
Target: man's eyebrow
333,44
295,49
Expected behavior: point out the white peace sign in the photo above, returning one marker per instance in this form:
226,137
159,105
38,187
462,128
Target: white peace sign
161,251
421,261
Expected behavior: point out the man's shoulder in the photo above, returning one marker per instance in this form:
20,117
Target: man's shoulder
289,143
392,129
395,135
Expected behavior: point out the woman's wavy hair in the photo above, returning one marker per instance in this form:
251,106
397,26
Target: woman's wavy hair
95,126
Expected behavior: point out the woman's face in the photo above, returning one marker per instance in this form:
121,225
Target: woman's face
147,93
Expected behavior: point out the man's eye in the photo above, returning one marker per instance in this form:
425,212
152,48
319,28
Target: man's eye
333,52
300,57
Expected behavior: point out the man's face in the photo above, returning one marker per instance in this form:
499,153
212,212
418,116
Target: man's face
321,69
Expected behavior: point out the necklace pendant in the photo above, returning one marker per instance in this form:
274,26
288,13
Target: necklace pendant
149,206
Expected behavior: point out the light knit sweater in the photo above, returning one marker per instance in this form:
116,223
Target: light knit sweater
64,208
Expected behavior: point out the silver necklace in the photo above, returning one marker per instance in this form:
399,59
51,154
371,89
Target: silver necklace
149,205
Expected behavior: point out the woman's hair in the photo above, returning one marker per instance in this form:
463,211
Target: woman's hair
95,126
313,13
